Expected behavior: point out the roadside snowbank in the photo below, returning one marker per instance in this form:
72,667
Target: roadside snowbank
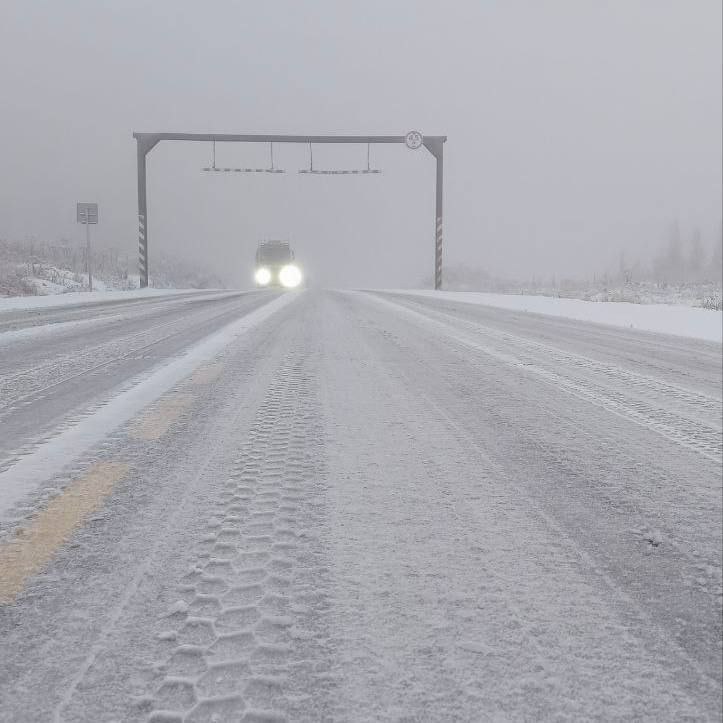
661,318
73,298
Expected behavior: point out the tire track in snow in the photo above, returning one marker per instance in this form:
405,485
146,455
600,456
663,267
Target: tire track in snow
27,473
239,642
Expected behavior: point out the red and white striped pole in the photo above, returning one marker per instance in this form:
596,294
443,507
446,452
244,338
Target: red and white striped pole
142,216
439,224
435,145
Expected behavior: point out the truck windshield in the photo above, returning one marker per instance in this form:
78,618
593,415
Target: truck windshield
273,254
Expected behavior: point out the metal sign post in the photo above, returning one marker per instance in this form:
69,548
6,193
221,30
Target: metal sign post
87,214
146,142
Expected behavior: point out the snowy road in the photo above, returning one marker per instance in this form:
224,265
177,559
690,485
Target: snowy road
355,506
63,359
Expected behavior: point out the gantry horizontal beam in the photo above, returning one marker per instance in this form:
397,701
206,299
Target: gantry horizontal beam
276,138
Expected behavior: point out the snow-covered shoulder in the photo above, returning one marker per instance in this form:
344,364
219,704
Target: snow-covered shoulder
73,298
672,319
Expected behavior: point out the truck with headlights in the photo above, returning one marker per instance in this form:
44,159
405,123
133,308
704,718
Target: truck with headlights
276,266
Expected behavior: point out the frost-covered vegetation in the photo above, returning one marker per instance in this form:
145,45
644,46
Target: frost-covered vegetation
686,272
34,268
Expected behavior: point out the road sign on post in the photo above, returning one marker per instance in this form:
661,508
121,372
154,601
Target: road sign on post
414,140
87,214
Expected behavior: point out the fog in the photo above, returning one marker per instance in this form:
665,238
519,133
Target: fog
575,129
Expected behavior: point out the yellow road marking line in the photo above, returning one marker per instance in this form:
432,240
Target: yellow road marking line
34,547
207,373
159,418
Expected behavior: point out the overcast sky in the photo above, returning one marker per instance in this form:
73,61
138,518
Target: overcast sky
575,128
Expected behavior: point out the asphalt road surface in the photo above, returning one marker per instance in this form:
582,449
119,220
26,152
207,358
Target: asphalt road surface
355,506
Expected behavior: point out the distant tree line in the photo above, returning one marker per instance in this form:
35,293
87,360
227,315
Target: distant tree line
679,260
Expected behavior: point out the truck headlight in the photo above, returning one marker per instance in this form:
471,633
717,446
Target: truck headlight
262,276
290,276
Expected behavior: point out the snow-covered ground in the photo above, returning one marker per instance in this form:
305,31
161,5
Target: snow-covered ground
661,318
41,278
38,268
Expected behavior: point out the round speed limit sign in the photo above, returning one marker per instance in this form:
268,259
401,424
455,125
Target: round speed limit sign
413,140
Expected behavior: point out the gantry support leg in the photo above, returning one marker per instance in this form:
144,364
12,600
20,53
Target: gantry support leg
145,143
142,222
436,147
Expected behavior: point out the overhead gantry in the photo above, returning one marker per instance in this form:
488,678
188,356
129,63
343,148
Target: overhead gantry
147,141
